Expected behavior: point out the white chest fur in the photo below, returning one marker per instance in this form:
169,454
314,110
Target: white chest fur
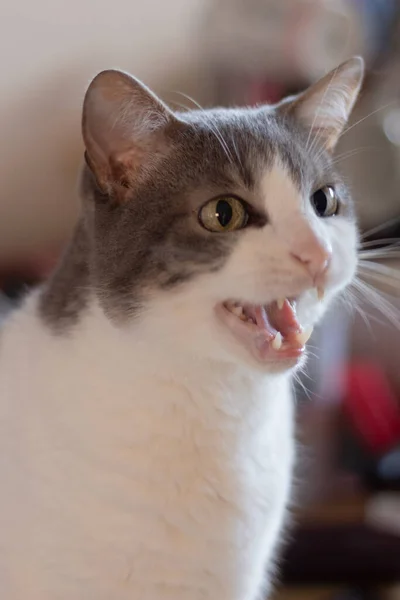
126,477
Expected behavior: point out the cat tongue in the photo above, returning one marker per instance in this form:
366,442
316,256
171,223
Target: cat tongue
272,319
277,322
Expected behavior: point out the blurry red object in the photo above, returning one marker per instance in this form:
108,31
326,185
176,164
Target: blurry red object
260,91
33,269
371,407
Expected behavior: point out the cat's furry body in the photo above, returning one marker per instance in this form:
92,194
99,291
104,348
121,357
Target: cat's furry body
163,478
144,453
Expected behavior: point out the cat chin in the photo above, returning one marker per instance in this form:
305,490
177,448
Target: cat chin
283,365
243,358
271,366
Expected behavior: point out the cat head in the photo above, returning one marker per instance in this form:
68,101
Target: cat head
227,231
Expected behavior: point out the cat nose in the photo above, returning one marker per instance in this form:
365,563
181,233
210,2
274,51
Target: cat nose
315,255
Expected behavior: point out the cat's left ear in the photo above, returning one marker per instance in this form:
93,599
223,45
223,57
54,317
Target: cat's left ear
325,107
124,127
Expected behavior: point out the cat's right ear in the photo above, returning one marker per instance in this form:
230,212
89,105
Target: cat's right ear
324,108
123,127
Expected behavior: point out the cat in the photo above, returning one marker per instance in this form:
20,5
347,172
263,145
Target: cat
146,431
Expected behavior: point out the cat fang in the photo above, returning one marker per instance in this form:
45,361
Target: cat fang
271,332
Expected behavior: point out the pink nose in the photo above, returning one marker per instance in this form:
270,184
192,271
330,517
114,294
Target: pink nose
314,254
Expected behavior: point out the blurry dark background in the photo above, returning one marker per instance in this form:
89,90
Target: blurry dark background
346,536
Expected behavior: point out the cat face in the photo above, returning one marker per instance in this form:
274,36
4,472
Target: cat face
227,228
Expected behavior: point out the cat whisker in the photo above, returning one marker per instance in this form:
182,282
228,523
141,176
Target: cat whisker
387,273
367,117
389,223
367,317
344,155
376,278
213,127
235,147
179,105
350,153
320,149
369,257
334,73
303,371
297,380
313,354
187,97
352,303
389,243
377,301
316,139
221,139
378,254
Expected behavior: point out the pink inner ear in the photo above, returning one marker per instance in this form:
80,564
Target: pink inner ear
124,166
123,126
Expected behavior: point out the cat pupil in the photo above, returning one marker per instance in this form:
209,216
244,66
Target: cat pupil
320,202
224,212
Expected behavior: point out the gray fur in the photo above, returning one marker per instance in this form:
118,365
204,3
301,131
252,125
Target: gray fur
65,296
152,240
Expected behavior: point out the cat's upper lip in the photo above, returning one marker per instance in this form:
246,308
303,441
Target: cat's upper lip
270,332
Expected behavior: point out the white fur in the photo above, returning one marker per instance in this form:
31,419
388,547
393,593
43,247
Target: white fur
153,460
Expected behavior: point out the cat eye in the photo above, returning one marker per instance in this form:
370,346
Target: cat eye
325,202
225,213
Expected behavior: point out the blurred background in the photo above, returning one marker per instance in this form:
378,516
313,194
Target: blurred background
345,538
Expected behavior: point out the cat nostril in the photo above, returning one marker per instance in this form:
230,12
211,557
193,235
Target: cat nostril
315,257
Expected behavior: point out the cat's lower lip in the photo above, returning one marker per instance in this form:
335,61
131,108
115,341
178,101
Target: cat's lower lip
270,333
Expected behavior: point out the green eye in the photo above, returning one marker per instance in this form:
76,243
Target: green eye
223,214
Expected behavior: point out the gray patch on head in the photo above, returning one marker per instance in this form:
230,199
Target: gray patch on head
153,240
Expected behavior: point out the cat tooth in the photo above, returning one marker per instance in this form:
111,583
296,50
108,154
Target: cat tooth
303,337
320,293
277,341
280,302
243,317
237,310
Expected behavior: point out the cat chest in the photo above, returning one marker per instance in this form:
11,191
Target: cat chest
191,464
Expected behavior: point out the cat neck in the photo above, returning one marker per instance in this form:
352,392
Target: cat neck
66,295
134,353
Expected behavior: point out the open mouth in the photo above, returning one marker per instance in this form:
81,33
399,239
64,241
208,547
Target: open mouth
270,332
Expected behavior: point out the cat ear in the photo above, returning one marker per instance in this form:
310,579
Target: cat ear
123,127
325,107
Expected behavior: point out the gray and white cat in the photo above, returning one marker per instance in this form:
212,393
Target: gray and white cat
146,430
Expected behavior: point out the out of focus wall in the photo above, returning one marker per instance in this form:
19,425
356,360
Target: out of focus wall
49,52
